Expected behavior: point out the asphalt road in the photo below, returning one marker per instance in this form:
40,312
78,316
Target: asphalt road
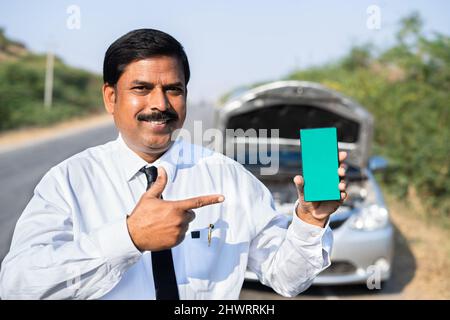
21,169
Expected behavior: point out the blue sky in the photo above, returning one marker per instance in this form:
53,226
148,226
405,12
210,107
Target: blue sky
229,43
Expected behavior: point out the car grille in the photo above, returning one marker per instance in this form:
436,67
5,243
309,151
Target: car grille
339,268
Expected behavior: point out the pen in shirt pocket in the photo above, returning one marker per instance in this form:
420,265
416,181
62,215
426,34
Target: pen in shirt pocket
196,234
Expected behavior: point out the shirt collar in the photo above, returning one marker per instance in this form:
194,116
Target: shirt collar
131,162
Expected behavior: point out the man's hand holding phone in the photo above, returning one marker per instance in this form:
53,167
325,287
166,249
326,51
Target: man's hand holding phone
321,189
318,212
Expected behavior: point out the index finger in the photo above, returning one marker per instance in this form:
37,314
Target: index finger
198,202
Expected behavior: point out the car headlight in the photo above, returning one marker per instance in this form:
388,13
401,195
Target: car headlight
370,218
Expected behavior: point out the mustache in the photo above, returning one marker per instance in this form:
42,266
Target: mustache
158,116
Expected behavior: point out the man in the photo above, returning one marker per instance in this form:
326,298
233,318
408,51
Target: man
92,230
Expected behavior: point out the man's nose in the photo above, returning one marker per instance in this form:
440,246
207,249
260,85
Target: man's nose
158,100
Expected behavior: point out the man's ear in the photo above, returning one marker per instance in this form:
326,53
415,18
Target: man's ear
109,97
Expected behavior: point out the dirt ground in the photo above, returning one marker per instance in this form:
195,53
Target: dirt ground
422,261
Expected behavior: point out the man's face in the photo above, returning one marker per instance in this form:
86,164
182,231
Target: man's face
148,103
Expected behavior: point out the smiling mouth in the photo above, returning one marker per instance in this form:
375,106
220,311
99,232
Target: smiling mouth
159,122
160,126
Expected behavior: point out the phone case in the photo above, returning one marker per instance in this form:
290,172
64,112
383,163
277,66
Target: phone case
320,162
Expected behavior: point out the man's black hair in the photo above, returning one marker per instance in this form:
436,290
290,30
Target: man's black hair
137,45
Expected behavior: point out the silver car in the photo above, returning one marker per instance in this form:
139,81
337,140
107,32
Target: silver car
363,233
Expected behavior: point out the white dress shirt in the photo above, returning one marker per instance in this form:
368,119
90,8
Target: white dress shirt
72,241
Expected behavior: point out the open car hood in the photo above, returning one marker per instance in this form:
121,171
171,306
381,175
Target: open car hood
293,105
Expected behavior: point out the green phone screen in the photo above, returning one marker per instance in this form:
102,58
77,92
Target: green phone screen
319,149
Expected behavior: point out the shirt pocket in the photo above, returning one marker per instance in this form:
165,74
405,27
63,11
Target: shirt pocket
202,256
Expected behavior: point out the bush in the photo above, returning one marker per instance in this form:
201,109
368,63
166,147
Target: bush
22,81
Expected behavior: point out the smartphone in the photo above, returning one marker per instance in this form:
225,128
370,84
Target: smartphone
320,163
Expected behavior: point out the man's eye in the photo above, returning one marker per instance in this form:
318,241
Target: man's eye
139,88
176,90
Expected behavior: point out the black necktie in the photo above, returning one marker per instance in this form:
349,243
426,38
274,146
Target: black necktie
162,263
